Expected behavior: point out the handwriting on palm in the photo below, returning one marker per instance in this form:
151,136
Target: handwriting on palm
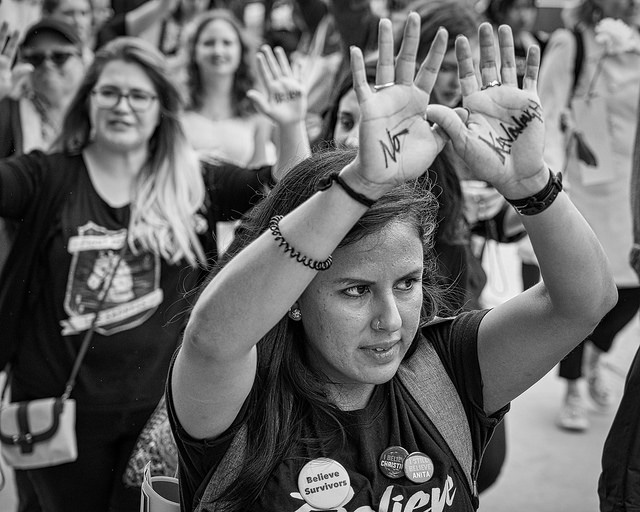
395,137
506,131
396,142
285,100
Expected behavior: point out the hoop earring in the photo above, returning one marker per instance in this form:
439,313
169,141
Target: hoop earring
295,314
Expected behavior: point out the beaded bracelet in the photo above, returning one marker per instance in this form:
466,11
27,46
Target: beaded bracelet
327,181
539,202
274,226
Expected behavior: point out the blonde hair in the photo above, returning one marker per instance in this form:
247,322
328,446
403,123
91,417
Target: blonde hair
169,190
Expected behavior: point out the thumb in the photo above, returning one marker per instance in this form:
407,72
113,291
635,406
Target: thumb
260,101
449,120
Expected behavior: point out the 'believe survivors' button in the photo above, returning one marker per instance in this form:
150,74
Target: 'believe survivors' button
324,483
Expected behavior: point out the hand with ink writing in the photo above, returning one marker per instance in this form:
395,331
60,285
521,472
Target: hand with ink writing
396,143
284,100
499,132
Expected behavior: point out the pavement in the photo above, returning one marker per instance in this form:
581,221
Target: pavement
547,469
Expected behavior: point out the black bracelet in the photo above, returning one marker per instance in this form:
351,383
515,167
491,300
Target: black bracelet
539,202
326,182
274,226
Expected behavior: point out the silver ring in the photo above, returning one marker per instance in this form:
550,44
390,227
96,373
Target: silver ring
378,324
383,86
493,83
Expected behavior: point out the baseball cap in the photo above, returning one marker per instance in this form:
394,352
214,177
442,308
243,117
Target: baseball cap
52,24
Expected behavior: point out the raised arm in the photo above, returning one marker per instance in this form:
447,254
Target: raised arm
500,135
148,14
284,101
216,365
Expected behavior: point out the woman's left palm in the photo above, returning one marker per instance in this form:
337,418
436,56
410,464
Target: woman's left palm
284,100
505,133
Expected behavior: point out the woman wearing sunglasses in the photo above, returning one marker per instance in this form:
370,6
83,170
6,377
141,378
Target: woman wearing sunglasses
123,195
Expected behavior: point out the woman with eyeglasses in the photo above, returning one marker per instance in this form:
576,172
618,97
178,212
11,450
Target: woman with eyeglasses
123,186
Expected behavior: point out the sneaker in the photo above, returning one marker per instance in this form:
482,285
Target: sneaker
598,389
573,414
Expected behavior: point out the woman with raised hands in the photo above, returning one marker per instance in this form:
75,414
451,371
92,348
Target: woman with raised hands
313,374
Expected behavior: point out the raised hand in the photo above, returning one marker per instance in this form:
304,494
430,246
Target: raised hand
285,101
10,77
395,141
500,131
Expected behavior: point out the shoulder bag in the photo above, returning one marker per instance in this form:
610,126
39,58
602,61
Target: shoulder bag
41,433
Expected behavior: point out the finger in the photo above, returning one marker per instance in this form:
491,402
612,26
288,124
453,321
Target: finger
448,119
488,68
530,82
270,61
4,33
440,137
466,71
11,46
385,68
264,72
463,114
428,72
259,100
507,56
359,75
406,61
283,61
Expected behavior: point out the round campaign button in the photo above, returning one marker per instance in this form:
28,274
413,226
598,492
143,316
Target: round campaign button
418,467
392,461
324,483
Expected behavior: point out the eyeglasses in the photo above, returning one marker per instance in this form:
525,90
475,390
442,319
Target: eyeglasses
58,57
109,97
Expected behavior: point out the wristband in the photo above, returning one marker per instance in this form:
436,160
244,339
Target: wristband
539,202
327,181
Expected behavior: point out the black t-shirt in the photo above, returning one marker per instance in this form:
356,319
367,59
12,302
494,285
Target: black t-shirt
391,419
145,309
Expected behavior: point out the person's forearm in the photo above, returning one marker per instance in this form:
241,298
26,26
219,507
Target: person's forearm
572,262
145,16
257,287
293,147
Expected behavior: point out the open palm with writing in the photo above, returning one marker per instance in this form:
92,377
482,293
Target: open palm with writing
284,99
395,141
500,131
10,77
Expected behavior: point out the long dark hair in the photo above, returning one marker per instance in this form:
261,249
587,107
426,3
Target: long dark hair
287,392
244,76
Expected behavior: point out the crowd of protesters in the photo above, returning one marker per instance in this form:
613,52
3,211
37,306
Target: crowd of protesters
161,160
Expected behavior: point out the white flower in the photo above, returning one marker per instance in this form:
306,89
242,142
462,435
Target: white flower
616,36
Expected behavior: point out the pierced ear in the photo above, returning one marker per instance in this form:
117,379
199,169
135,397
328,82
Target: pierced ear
294,312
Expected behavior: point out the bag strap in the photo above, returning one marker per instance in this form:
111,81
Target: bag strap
429,384
107,280
579,59
227,472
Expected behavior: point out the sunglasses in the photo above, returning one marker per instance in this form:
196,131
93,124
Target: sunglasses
58,57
